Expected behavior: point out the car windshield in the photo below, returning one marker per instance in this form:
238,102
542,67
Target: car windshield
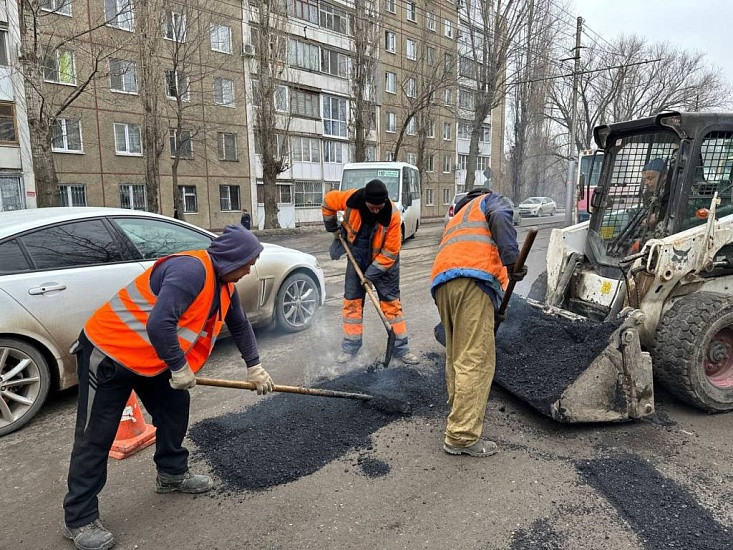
356,178
533,200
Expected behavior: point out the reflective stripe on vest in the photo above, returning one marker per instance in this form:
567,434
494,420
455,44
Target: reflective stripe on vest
467,245
119,327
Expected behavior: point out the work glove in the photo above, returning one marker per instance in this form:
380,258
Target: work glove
183,378
261,379
517,275
368,284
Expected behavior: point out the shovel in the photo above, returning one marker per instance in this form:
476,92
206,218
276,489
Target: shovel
526,247
374,299
242,385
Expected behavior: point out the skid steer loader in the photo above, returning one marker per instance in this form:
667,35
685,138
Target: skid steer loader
655,263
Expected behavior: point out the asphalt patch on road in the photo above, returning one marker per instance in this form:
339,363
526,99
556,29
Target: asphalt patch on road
539,536
538,356
288,436
661,512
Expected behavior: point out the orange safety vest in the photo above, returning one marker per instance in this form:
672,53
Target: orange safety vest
467,249
119,328
386,242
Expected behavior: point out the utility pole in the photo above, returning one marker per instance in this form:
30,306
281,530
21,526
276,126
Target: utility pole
570,214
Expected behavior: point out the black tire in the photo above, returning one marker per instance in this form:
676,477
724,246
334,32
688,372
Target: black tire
695,332
297,302
15,414
538,290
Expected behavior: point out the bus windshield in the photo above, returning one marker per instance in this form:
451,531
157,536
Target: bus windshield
356,178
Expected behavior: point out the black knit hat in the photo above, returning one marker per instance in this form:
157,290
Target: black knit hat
375,192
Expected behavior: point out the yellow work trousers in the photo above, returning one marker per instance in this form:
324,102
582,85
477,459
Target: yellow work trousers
467,313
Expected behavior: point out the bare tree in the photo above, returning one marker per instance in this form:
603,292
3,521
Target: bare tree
365,39
60,57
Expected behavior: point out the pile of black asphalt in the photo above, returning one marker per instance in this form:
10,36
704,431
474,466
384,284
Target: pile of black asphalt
538,355
287,436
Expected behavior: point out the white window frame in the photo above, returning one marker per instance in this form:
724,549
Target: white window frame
342,105
220,37
464,130
305,149
180,79
127,69
311,103
390,6
448,28
390,123
430,21
447,131
462,162
189,191
225,195
56,68
280,97
411,158
72,191
447,97
126,152
390,42
59,7
485,136
334,19
311,189
411,129
130,190
410,49
63,123
220,92
173,143
119,15
334,152
446,164
174,26
429,197
447,196
390,82
431,128
222,146
411,11
430,163
411,87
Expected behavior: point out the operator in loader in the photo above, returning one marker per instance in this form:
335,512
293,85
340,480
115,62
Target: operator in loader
654,194
151,337
477,252
372,227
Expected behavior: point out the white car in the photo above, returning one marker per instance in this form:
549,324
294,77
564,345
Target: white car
516,217
58,265
538,206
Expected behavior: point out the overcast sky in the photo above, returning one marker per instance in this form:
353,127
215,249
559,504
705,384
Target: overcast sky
696,25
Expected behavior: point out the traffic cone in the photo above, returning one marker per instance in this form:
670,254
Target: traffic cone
133,434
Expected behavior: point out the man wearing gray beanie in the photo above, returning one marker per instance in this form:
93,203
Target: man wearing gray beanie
372,226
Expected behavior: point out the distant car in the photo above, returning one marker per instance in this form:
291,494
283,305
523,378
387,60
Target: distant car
516,219
538,206
58,265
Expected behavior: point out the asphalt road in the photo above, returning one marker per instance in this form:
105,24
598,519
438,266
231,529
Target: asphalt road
661,483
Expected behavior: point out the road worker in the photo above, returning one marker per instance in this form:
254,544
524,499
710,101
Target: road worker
372,228
151,337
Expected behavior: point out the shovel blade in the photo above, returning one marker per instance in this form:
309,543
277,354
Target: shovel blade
390,348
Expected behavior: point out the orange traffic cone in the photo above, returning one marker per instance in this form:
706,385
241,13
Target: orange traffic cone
133,434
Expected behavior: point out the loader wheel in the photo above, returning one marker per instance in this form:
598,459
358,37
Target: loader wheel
693,351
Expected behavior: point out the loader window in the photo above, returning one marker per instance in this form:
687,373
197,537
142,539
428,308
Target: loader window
714,172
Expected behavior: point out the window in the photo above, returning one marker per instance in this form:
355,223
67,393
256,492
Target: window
118,14
411,158
221,38
390,84
447,131
371,153
335,117
446,164
411,49
154,238
227,145
181,143
308,193
188,195
59,67
411,11
466,99
176,85
304,56
307,10
174,26
8,131
284,192
72,195
429,197
411,87
127,139
123,76
447,196
431,128
430,163
304,103
411,128
430,21
389,156
448,28
334,19
462,162
390,42
62,7
4,58
305,149
447,97
485,136
133,196
464,130
229,198
448,63
389,5
224,92
280,97
66,135
431,55
482,163
468,67
333,152
280,145
391,122
256,94
335,63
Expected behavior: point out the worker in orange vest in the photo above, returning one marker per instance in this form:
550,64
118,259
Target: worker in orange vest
471,270
151,337
372,227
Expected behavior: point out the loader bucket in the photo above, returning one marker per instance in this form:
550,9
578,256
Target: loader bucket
571,368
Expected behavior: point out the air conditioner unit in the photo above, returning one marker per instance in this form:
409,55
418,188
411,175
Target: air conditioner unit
248,50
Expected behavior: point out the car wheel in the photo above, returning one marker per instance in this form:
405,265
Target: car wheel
554,211
296,302
24,383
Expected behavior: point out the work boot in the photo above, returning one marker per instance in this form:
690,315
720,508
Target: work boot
480,449
409,359
344,357
92,536
186,483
